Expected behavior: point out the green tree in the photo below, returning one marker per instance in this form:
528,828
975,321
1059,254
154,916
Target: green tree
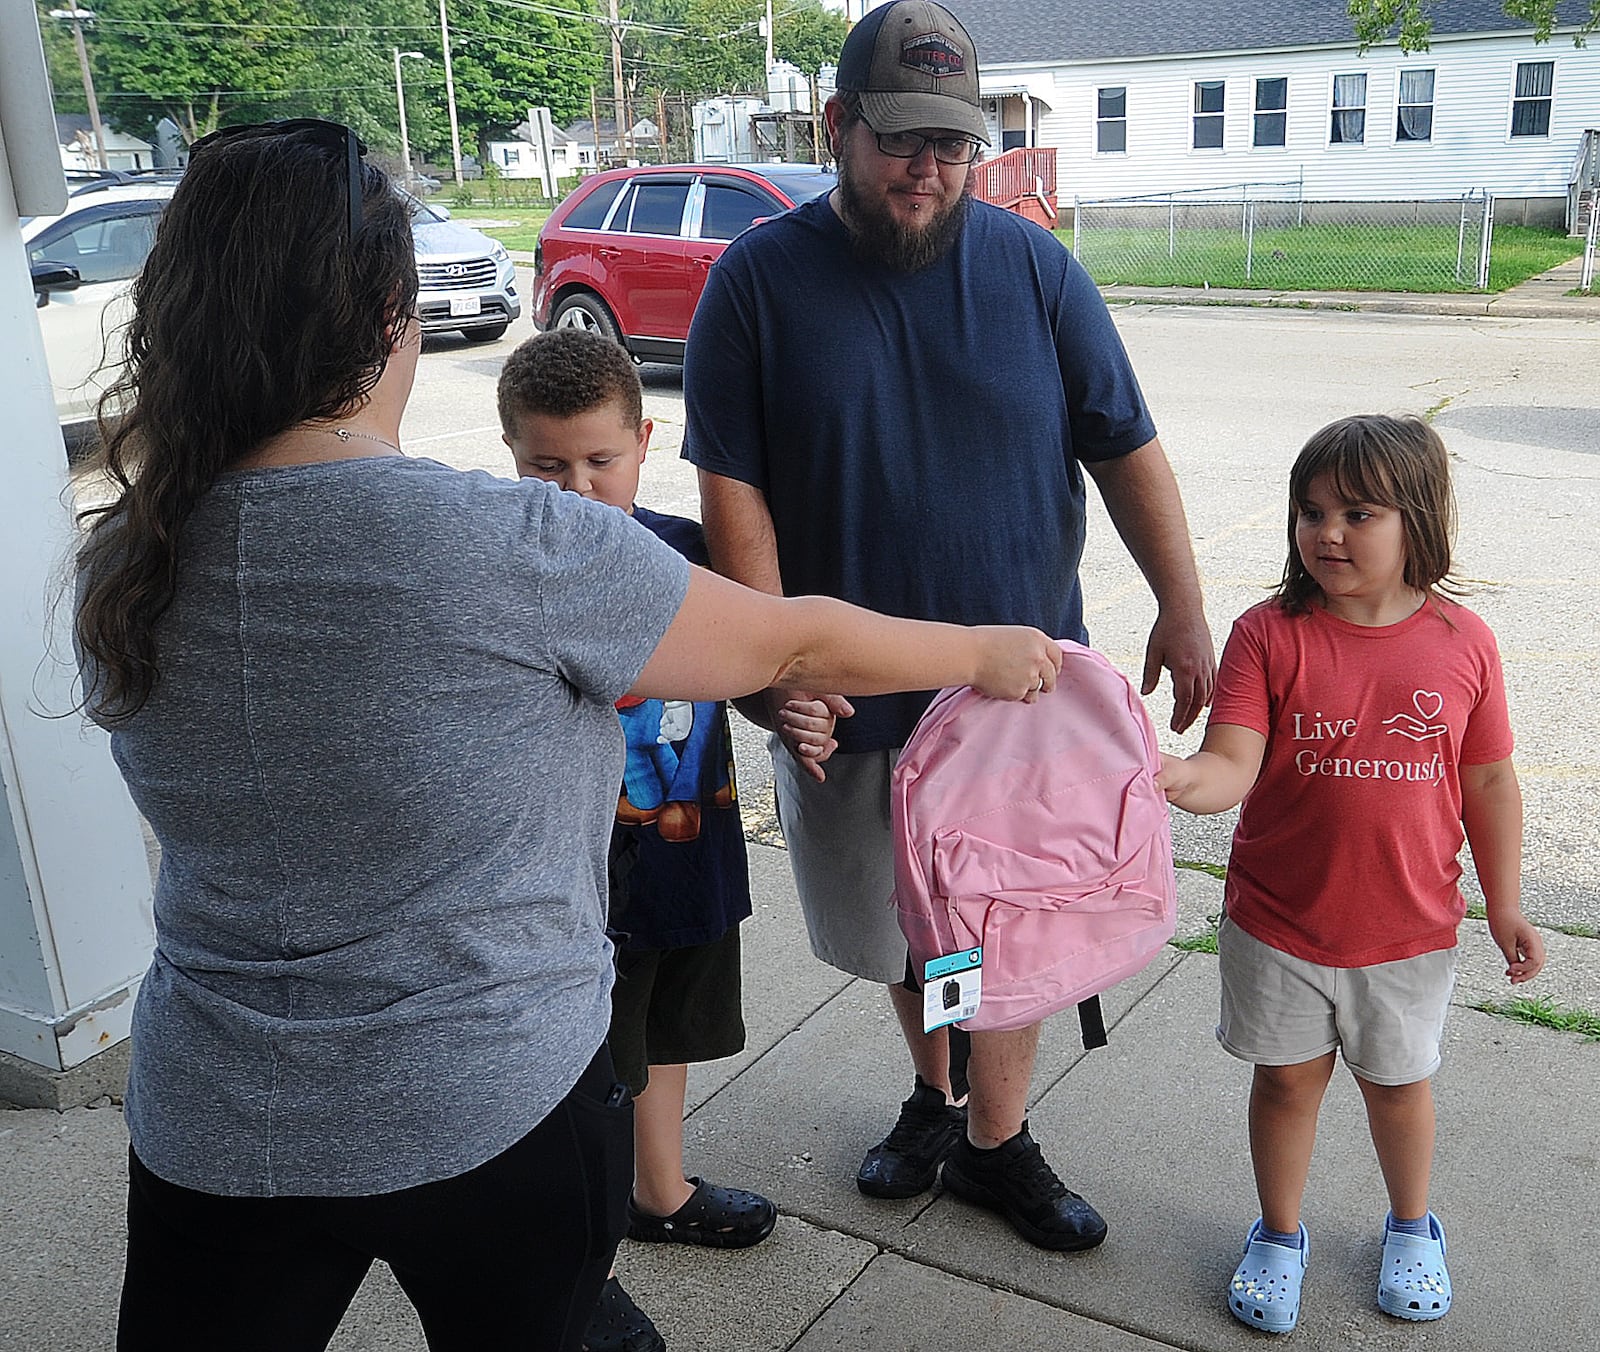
507,60
722,50
196,61
809,36
207,63
1411,21
61,60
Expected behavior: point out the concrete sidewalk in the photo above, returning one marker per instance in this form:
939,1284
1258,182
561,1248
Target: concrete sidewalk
1152,1129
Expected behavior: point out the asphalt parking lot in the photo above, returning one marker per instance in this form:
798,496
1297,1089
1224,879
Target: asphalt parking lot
1235,393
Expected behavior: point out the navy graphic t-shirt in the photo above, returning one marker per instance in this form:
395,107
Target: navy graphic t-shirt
679,876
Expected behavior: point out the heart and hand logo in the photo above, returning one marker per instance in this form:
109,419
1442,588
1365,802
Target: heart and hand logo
1428,703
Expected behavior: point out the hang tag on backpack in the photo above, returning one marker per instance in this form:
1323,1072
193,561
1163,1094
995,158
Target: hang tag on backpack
952,987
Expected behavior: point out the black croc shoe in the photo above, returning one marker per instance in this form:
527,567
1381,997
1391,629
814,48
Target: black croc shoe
720,1218
618,1325
907,1160
1015,1180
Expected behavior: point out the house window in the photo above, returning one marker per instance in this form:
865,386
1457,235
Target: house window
1208,114
1111,123
1349,110
1272,116
1415,119
1530,104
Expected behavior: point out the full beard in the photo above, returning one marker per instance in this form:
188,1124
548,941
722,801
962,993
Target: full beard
876,236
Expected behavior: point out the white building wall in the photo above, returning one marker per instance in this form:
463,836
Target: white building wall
1471,145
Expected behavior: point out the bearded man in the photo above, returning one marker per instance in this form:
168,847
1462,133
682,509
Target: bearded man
890,392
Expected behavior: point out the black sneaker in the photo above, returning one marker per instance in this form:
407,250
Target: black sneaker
618,1325
907,1160
1014,1180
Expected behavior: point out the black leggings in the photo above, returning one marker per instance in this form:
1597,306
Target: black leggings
509,1256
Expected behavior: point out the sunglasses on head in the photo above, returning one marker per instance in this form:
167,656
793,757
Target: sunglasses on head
333,136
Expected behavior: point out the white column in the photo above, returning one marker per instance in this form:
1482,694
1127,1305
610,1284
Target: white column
75,923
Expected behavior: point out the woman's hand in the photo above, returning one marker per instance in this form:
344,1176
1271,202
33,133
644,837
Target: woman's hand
1015,662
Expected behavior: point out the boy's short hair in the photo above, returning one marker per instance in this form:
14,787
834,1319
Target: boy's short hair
567,372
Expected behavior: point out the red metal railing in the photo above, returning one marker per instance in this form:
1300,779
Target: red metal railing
1009,178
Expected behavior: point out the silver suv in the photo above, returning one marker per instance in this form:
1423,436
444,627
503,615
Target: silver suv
467,281
84,261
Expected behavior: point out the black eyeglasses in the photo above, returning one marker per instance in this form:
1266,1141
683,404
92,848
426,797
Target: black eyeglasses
907,145
333,136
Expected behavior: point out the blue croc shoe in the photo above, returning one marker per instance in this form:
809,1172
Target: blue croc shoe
1265,1290
1414,1283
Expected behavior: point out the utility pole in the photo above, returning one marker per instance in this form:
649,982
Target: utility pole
450,92
400,100
769,39
77,18
616,81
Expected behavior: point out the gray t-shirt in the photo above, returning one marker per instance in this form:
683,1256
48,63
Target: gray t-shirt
382,762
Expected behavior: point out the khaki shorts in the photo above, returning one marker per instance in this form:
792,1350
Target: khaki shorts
840,848
1385,1020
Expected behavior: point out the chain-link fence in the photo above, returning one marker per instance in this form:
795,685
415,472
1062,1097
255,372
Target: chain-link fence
1591,245
1265,236
738,128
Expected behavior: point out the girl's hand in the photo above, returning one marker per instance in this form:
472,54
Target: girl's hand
804,723
1176,777
1015,662
1521,943
806,727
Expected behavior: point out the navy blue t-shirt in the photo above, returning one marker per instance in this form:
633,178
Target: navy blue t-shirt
917,435
685,881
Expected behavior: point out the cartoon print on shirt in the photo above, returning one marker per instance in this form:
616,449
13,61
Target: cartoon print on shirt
676,765
1428,703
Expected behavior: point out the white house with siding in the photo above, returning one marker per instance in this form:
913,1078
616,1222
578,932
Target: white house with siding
1147,96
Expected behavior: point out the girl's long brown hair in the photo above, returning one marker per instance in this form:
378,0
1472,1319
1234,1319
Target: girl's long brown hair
1399,463
255,311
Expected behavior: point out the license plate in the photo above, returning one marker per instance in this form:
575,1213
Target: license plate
465,305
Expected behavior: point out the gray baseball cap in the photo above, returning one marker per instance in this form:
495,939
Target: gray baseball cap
915,68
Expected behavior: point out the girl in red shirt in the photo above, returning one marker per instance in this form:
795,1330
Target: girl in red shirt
1360,717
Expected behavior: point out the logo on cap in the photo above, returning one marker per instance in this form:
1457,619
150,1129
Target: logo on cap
933,54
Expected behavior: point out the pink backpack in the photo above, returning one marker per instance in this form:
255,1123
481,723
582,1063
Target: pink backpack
1038,832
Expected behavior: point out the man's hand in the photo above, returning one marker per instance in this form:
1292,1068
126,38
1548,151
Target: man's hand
805,722
1182,644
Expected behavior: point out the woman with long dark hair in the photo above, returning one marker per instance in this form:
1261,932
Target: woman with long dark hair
365,703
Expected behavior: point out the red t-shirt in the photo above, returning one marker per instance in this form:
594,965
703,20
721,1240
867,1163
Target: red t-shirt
1346,848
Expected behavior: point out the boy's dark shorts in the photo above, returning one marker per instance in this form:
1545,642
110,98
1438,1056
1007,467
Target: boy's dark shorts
676,1006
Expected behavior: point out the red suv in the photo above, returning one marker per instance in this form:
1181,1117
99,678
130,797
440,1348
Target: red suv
627,253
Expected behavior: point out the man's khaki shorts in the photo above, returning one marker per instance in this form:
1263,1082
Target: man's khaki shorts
839,840
1386,1020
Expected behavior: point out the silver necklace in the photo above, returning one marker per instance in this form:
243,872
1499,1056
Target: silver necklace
345,433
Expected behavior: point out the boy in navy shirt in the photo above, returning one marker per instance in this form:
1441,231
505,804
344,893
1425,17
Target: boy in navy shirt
572,410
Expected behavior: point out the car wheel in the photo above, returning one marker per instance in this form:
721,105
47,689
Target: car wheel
587,312
487,335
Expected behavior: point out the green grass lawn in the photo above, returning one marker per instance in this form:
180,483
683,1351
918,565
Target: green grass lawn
521,226
1319,257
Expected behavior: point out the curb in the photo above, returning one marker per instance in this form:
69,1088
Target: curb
1503,306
